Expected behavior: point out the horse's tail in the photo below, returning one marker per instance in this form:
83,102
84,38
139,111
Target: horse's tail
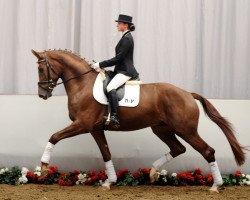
225,126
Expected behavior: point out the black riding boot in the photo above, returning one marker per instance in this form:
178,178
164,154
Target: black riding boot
113,101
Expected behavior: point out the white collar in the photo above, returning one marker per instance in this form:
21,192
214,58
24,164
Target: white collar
123,33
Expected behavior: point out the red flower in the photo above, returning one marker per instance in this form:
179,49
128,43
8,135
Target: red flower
76,172
92,173
67,179
87,182
136,175
118,174
238,173
94,179
74,178
201,182
102,177
185,176
197,171
31,176
121,172
198,176
64,182
102,172
190,177
41,179
145,171
209,179
53,169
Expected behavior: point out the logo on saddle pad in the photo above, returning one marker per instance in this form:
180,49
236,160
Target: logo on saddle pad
128,95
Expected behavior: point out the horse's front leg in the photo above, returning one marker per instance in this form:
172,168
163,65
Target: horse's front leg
74,129
103,146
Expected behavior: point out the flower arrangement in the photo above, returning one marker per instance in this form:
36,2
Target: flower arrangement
16,176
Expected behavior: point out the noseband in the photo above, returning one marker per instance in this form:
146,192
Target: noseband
50,69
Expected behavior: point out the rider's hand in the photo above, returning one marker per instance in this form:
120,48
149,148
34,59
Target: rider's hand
96,67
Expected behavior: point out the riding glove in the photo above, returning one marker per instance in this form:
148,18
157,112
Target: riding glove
96,67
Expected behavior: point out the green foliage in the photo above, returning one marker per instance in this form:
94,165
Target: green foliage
10,176
128,180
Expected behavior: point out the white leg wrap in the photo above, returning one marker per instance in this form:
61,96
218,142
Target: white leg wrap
46,154
216,174
161,161
111,171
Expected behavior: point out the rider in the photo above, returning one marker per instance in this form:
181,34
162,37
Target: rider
124,65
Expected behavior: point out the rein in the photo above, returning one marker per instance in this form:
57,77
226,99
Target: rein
52,85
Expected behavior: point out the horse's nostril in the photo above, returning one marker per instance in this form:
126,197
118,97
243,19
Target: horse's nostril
43,96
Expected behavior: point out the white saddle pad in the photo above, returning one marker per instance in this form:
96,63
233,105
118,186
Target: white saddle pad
131,96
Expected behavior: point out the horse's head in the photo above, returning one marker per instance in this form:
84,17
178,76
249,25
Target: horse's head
48,72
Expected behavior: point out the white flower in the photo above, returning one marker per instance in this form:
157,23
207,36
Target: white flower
23,179
81,178
2,171
165,179
24,171
243,182
38,169
247,182
243,175
248,177
37,173
174,175
164,172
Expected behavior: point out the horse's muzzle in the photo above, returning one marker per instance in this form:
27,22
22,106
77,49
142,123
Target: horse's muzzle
45,96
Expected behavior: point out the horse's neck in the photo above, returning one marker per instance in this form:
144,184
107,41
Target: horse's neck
80,84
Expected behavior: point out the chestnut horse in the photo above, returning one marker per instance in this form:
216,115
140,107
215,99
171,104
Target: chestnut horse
167,109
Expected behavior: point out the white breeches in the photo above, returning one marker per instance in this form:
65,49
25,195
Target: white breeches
117,81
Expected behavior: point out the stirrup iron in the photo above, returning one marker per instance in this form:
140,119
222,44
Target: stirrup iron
107,122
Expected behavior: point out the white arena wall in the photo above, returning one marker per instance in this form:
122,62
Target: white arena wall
27,122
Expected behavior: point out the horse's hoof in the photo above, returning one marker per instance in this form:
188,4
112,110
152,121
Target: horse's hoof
106,185
44,173
216,188
153,174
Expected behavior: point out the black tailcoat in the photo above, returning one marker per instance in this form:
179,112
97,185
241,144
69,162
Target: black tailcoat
123,59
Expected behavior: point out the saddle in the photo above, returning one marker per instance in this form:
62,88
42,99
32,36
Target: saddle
119,91
128,94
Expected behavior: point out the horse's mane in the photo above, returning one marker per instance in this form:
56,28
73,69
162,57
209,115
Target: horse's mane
69,52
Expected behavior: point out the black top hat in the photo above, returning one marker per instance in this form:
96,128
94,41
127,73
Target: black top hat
125,19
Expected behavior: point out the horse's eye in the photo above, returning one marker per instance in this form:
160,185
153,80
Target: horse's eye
40,70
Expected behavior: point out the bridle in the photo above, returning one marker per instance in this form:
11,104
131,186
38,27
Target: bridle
50,69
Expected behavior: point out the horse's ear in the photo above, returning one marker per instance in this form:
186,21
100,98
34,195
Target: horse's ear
37,54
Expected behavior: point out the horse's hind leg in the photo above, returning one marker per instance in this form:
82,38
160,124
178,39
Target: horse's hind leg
176,148
103,146
208,153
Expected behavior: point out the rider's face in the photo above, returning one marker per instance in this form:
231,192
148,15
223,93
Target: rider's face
122,26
